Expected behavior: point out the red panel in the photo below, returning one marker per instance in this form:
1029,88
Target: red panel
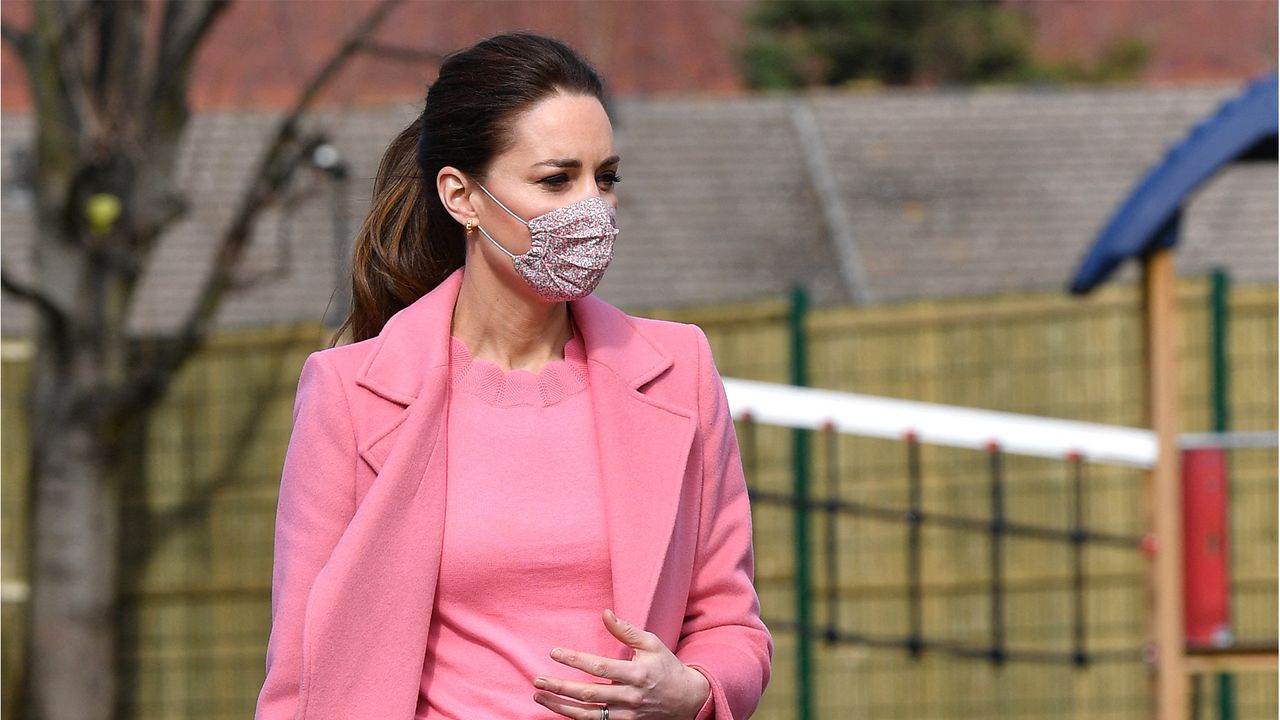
1207,573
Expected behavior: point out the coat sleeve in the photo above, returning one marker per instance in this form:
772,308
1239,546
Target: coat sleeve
317,500
723,636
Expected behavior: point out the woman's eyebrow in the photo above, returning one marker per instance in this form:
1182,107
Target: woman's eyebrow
569,163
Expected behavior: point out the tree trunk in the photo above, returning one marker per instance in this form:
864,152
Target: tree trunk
74,539
83,446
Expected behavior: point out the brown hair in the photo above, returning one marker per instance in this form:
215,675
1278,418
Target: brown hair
409,243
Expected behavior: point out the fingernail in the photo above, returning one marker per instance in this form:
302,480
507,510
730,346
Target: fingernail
540,683
557,653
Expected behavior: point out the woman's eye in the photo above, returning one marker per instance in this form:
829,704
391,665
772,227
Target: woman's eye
608,180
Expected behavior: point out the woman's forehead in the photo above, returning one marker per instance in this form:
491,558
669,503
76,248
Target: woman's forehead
562,127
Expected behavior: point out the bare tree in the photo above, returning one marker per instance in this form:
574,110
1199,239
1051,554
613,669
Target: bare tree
109,117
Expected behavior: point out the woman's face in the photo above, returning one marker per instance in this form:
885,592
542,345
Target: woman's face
561,152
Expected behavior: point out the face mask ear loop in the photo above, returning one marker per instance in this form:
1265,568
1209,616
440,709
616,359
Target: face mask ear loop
495,242
504,207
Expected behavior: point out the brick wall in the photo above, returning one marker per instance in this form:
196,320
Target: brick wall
260,48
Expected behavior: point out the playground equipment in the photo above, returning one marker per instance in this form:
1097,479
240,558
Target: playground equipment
1146,227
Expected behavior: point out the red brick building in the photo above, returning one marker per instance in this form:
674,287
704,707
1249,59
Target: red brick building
260,49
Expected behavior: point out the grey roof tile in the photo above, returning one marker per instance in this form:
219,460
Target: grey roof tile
949,193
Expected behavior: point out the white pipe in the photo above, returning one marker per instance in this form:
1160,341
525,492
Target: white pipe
954,426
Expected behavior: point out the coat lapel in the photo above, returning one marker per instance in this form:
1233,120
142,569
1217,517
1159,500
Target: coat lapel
643,446
410,355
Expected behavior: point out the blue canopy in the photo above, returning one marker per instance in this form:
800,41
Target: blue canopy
1244,128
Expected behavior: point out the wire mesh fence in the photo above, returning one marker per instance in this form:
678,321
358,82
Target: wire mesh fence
951,559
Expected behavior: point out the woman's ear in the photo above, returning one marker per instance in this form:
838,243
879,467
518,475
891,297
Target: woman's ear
454,194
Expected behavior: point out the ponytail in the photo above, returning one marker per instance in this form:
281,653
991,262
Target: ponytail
400,253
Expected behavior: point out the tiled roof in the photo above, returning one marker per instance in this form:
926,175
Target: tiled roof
715,205
947,193
974,192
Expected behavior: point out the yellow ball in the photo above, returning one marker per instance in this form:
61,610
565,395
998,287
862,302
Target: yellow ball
102,210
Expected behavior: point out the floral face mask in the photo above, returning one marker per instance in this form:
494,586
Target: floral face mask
571,248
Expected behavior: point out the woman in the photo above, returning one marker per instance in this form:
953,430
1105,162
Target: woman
501,461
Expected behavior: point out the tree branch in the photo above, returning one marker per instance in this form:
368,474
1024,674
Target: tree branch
354,42
20,40
29,293
280,159
58,321
155,130
59,29
283,155
121,38
229,471
401,54
169,208
184,25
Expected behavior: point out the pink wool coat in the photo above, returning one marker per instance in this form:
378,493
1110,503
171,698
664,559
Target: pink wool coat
360,518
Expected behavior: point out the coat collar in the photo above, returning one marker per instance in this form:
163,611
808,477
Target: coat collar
415,340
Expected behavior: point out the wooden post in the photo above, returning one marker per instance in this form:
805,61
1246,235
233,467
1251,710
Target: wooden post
1163,490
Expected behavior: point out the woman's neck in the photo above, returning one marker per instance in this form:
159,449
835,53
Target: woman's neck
514,332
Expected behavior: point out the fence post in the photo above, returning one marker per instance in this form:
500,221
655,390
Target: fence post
800,514
1218,318
1163,496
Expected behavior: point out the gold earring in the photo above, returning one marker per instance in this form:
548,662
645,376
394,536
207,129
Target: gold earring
469,226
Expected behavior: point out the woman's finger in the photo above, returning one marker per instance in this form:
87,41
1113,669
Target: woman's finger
566,707
587,692
633,636
602,667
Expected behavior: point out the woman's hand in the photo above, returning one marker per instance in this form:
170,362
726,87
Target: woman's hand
652,684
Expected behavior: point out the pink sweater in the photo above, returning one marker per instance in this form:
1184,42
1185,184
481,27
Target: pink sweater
525,561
